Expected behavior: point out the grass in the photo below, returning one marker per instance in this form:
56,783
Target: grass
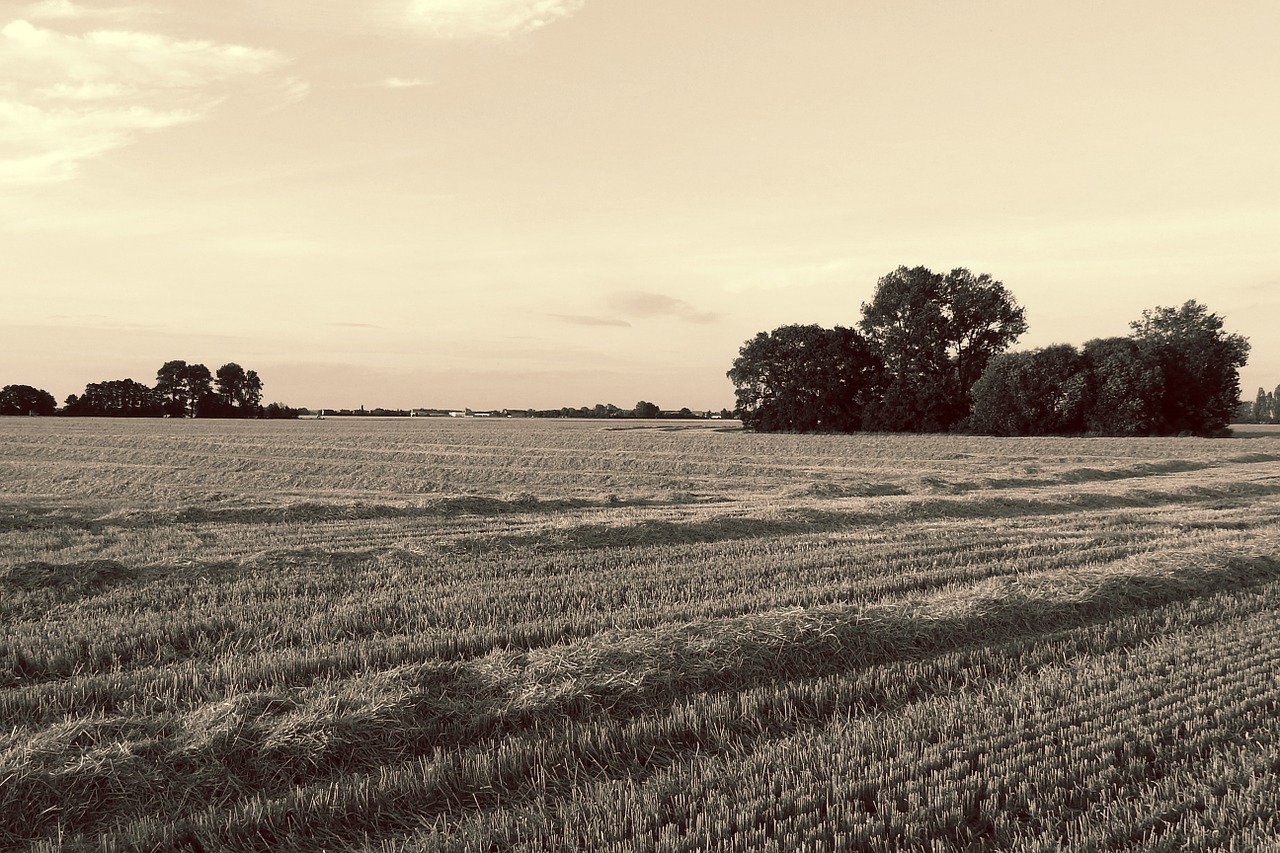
443,635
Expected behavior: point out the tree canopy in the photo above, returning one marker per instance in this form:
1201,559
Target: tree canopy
238,388
805,379
183,386
1042,392
1126,388
117,398
1177,373
181,390
1199,362
932,357
26,400
936,335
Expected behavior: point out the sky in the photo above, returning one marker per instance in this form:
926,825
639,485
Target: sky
540,203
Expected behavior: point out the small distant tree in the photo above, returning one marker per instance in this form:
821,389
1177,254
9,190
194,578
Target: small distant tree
1200,363
646,409
26,400
1042,392
279,411
805,379
1261,412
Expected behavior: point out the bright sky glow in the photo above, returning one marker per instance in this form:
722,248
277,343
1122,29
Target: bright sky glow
519,203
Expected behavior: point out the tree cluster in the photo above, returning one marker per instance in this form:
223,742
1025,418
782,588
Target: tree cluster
189,390
181,390
929,355
25,400
1263,409
1176,373
923,340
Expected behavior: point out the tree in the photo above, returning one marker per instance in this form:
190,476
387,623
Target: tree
1200,364
1042,392
183,386
239,390
805,379
1126,388
276,411
645,409
25,400
117,398
936,335
1261,412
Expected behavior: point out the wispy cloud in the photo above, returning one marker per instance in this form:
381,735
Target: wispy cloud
404,82
468,19
586,320
64,10
65,98
294,89
643,304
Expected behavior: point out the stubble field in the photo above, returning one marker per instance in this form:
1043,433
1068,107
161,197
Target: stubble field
633,636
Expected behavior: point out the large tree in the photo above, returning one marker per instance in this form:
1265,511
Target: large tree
1200,364
183,386
26,400
239,390
1126,387
805,379
936,335
1042,392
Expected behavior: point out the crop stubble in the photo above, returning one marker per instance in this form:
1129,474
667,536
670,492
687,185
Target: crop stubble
430,634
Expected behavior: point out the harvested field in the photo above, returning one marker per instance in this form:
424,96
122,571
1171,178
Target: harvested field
425,634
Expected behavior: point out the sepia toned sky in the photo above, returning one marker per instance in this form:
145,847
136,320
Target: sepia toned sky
516,203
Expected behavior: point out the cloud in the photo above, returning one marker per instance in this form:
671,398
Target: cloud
642,304
294,89
466,19
65,99
404,82
584,320
64,10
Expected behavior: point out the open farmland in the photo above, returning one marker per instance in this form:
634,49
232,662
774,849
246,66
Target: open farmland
633,636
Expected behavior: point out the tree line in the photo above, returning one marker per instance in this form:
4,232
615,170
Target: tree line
1263,409
181,390
930,355
642,409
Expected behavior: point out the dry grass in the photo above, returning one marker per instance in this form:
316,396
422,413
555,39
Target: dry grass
528,635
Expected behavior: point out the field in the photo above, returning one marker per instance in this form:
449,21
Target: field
476,635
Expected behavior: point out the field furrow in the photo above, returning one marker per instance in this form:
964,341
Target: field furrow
429,635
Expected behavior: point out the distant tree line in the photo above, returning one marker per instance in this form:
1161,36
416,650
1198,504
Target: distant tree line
642,409
181,390
1263,409
929,355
